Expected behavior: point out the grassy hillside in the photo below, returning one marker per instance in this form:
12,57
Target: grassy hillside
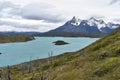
15,38
98,61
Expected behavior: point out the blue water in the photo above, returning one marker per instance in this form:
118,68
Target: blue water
15,53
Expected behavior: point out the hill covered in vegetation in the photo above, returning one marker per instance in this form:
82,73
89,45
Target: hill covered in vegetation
4,38
70,34
98,61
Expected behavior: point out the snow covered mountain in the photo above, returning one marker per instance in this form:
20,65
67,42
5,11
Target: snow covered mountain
91,25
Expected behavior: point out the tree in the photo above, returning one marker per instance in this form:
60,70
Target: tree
8,74
50,62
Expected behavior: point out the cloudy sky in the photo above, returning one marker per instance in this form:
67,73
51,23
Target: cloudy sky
44,15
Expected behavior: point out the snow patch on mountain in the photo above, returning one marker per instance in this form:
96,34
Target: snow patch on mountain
99,23
75,22
94,22
91,25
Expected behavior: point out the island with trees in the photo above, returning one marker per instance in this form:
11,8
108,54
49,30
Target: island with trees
60,42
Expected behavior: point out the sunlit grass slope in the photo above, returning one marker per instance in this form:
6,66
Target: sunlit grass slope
98,61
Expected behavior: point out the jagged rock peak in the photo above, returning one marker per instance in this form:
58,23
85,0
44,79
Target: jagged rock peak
92,18
74,18
97,20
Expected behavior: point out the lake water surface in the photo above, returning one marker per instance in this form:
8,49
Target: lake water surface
15,53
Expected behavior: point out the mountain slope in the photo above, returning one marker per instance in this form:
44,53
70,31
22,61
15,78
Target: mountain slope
91,25
98,61
77,27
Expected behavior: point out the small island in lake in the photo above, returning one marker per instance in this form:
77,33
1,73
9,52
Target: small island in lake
60,42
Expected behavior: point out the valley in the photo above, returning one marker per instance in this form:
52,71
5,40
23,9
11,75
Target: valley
98,61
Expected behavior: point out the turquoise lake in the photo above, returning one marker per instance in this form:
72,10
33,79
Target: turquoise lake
16,53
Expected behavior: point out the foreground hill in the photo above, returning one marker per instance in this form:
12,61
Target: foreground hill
98,61
4,38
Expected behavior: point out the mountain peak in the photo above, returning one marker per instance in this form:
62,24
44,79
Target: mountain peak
74,21
96,20
74,18
92,18
91,25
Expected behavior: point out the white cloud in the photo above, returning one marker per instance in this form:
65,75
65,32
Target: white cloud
8,24
43,15
28,18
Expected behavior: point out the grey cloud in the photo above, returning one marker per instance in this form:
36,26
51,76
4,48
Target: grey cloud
25,25
41,11
53,19
33,11
8,9
19,25
114,2
6,4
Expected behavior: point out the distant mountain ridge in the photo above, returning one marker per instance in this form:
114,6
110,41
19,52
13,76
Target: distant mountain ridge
27,33
91,25
75,27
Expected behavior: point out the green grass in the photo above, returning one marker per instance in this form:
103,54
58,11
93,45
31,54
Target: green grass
98,61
